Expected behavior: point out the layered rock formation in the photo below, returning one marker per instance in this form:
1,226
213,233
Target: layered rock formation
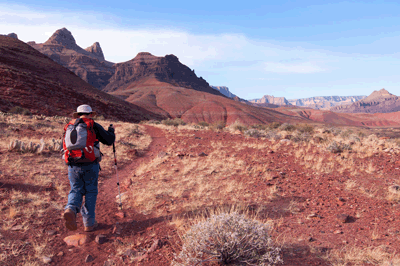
325,102
169,88
33,81
12,35
88,64
224,90
271,100
377,102
166,69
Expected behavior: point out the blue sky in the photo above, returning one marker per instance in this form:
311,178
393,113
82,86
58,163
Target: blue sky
294,49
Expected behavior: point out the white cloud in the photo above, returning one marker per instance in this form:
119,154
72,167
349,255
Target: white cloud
298,68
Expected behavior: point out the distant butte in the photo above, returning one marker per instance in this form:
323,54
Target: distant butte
377,102
89,64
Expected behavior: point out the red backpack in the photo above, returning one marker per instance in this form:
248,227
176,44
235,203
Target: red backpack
79,141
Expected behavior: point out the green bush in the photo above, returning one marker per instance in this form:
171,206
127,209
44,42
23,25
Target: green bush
336,147
19,110
230,239
260,126
203,124
287,127
305,128
173,122
219,125
274,125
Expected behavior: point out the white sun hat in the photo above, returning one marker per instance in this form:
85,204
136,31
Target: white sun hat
85,109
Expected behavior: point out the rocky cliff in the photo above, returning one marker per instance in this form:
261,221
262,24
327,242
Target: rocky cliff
12,35
224,90
377,102
166,69
325,102
271,100
88,64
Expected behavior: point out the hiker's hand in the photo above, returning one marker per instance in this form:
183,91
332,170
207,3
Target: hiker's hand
111,129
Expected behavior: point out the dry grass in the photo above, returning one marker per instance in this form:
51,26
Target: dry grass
379,256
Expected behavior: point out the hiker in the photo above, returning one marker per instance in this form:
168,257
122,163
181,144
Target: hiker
82,155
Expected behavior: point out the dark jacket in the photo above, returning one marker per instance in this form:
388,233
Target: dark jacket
105,137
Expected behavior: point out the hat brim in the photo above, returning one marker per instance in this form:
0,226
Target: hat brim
75,115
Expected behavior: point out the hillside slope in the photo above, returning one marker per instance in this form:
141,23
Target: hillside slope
32,80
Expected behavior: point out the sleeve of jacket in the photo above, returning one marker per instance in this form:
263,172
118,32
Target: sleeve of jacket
104,136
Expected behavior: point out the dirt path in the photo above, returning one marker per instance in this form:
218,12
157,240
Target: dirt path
106,208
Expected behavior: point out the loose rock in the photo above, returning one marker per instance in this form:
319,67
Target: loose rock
89,258
100,239
51,232
120,214
129,253
117,229
343,218
60,254
76,240
16,228
202,154
46,260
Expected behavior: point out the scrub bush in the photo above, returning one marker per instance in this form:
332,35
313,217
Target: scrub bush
228,238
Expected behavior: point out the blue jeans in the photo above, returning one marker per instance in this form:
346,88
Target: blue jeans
83,181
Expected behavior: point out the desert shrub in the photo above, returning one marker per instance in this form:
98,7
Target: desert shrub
335,131
336,147
203,124
219,125
260,126
252,132
238,126
287,127
346,134
305,128
299,137
274,125
100,117
19,110
229,238
135,131
272,135
173,122
153,122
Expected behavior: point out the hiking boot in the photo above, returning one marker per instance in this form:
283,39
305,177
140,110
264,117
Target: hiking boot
91,228
70,220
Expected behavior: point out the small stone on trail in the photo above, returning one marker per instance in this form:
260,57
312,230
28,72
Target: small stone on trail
395,189
120,214
46,259
343,218
154,246
202,154
89,258
310,239
16,228
51,232
337,232
60,254
107,263
100,239
117,229
162,154
129,253
76,240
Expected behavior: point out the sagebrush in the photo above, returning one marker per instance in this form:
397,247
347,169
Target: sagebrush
228,238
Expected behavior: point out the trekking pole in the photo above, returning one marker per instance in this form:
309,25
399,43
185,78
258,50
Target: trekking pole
116,172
